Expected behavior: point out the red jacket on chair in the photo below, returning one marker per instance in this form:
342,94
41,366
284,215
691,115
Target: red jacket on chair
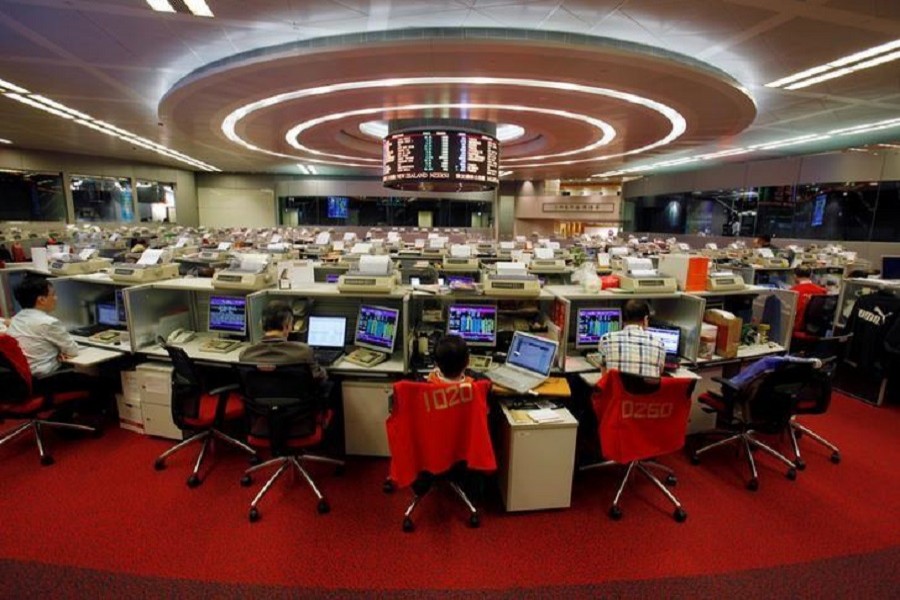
433,426
9,348
634,426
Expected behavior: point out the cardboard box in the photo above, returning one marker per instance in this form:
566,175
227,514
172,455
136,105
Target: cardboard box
728,336
690,271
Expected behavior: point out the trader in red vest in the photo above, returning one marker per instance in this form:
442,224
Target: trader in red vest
806,290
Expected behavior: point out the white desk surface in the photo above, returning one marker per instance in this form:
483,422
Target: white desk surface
194,350
391,366
592,378
124,344
748,289
576,292
746,352
90,355
578,364
518,419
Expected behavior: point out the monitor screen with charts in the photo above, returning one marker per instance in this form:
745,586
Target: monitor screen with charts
376,328
670,336
532,353
477,325
326,332
594,323
107,314
228,314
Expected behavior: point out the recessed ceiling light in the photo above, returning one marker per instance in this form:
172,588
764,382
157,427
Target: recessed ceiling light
506,132
858,61
198,8
161,5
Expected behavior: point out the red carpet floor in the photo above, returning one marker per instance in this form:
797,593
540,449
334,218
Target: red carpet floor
103,507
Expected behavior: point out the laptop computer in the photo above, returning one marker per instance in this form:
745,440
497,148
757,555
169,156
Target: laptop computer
671,338
528,363
326,336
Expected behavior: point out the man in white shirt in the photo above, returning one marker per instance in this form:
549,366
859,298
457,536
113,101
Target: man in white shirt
43,339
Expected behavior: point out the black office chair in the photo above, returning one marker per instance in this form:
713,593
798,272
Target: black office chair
204,411
765,404
288,414
818,321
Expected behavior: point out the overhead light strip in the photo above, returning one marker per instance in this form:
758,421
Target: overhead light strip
762,147
5,141
57,109
846,65
198,8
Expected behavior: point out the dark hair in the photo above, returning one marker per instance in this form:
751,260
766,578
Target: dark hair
635,310
451,355
276,315
30,289
803,272
765,237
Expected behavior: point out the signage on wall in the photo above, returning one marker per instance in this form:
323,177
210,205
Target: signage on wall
591,207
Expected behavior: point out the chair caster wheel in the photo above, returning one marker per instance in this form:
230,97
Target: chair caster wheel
340,470
246,480
679,515
323,507
791,474
836,458
408,525
615,513
47,460
253,515
388,487
474,521
695,459
159,464
193,481
671,481
800,464
254,460
753,484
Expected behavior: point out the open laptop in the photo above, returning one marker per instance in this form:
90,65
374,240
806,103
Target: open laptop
326,335
527,364
671,338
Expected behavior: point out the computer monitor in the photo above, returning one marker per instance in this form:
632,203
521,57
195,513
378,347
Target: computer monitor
594,323
107,314
332,277
120,306
228,314
376,328
890,267
476,324
326,332
460,279
670,336
532,353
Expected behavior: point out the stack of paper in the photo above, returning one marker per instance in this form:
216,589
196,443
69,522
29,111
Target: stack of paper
544,415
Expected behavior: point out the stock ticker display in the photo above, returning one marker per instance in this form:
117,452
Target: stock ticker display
441,160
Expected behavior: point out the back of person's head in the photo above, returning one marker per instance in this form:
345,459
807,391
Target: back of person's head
30,289
635,311
276,316
763,239
451,355
803,272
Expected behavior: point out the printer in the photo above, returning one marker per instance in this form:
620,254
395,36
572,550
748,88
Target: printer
151,266
373,275
460,260
247,272
511,280
77,264
638,275
724,281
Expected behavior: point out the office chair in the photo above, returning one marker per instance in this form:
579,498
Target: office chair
765,404
436,431
201,410
818,319
21,401
288,414
639,419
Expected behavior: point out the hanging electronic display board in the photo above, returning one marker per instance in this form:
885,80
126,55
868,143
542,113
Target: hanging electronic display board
441,160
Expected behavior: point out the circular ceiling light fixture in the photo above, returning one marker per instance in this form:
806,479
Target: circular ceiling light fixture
506,132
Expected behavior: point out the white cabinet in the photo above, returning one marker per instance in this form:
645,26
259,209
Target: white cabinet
156,400
366,408
535,461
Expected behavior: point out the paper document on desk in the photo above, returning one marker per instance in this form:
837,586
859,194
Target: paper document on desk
460,251
544,415
253,263
543,253
375,265
510,268
39,258
151,256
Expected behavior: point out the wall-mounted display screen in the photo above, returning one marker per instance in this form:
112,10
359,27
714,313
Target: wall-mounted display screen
442,160
818,215
338,208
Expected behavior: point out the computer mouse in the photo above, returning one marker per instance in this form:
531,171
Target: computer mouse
117,343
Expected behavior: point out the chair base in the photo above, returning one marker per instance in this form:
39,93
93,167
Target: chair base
474,515
205,438
797,430
748,442
35,425
644,467
283,462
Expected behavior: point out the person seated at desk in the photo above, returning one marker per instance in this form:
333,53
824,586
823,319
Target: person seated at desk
633,350
764,240
805,289
274,348
451,357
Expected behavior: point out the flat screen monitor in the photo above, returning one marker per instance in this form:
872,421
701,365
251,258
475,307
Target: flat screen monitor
670,336
476,324
818,215
890,267
594,323
376,328
338,208
332,277
460,279
326,332
120,306
228,314
531,353
107,314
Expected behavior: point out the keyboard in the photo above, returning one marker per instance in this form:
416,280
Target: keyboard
513,380
594,359
327,356
480,363
365,358
89,330
220,346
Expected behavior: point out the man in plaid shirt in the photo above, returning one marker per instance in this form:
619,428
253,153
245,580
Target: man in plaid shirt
633,350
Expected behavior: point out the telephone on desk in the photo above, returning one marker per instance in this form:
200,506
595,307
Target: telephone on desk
180,336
